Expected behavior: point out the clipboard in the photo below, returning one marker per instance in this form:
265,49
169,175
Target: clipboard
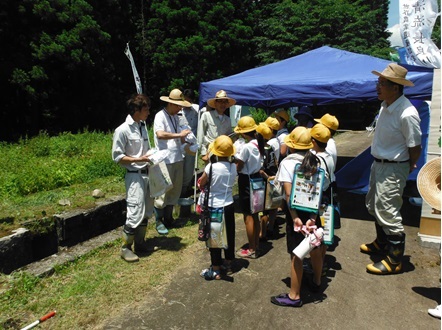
306,194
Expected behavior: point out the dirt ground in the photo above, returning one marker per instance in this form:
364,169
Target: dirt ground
350,297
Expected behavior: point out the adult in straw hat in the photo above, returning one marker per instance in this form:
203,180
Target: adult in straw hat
168,135
221,183
396,148
215,122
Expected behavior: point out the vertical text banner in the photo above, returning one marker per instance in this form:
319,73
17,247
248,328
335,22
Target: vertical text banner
134,69
416,21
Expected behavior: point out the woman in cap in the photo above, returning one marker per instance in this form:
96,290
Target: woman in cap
214,123
299,142
249,162
222,181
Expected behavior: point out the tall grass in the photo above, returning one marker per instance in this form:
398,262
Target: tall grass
45,163
36,173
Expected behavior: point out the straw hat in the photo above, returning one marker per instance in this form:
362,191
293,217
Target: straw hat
176,97
395,73
222,146
265,131
283,114
221,95
428,183
299,139
273,123
329,121
245,124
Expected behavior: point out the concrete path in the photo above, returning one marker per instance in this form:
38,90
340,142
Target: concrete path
351,298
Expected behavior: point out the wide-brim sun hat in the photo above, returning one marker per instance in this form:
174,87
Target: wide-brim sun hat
221,95
176,97
222,146
299,139
283,114
329,121
395,73
273,123
320,133
428,183
245,124
265,131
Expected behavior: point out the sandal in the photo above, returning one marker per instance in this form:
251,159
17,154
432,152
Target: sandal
284,300
209,274
246,253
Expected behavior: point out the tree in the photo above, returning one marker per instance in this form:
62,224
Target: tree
294,27
202,41
59,69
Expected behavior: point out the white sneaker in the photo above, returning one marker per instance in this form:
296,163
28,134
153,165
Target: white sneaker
436,312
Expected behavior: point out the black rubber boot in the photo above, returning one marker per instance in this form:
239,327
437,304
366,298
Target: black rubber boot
392,264
379,245
140,233
168,218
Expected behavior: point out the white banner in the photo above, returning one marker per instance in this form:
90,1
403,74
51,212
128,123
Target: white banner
416,21
134,69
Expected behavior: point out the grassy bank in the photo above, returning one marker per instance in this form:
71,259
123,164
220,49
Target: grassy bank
46,175
79,290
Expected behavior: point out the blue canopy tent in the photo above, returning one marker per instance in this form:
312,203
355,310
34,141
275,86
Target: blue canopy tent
322,76
355,174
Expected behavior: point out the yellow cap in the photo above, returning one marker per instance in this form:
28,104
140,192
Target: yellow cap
320,133
265,131
273,123
222,146
245,124
299,139
329,121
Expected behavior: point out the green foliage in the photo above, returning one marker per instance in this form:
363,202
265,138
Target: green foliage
44,163
292,28
64,69
258,114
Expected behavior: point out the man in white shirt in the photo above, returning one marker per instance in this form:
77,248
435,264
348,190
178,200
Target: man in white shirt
169,136
396,148
129,150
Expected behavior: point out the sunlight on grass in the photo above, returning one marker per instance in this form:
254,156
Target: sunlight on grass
80,289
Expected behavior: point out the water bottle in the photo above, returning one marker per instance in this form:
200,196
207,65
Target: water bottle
309,243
